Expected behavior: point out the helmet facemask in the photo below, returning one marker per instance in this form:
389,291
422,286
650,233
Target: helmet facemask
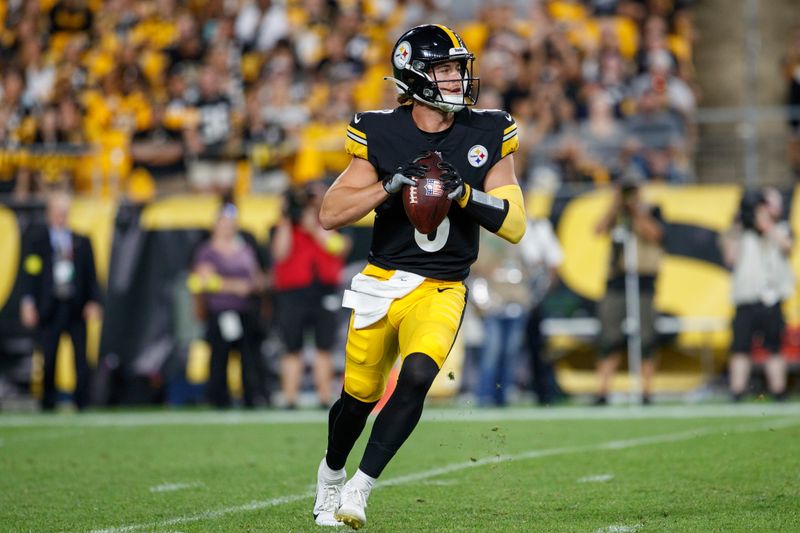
432,91
421,83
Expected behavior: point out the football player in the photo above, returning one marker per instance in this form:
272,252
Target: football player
410,298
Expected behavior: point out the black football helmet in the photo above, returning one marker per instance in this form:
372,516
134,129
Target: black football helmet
416,53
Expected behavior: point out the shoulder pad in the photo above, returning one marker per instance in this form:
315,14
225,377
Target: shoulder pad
494,116
503,123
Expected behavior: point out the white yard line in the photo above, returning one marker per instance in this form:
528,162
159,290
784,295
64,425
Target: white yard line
455,414
618,528
172,487
456,467
208,515
599,478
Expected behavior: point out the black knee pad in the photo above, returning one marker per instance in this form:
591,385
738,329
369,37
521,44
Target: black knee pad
417,373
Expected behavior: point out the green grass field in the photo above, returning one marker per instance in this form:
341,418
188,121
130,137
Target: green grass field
617,469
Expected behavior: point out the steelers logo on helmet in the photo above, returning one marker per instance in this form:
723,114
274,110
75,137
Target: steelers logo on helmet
477,156
402,54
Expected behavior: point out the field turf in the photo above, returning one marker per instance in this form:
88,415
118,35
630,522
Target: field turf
697,468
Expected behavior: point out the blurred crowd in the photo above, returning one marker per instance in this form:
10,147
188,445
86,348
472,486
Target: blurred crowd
139,98
135,99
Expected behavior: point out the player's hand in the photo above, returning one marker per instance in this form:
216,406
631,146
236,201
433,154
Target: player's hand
405,174
453,183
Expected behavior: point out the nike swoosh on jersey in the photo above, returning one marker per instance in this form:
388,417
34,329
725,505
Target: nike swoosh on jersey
443,289
357,118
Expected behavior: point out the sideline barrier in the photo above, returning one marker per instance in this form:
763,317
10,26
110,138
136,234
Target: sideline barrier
143,250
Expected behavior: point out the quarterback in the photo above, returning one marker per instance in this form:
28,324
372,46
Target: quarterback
410,298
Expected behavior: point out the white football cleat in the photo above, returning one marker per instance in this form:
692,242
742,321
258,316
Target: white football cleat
353,502
327,500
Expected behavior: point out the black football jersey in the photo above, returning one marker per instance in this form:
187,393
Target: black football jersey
477,140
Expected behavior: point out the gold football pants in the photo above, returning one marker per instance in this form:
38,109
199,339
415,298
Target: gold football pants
424,321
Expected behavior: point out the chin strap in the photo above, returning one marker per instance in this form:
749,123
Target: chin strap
447,107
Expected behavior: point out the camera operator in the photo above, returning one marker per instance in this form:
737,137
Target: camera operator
308,261
629,213
757,249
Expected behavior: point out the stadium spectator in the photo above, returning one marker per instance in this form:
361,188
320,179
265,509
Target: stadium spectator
226,274
308,262
758,249
212,139
655,141
59,294
188,49
269,145
15,110
70,17
115,58
337,64
261,24
499,290
542,255
602,136
40,76
320,154
660,79
507,285
159,150
629,217
791,73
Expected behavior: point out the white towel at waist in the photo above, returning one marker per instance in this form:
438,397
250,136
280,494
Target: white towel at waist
370,298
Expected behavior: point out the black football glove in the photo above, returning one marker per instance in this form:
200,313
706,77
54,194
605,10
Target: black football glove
405,174
453,183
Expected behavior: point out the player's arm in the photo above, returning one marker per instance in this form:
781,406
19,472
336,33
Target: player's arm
356,192
501,209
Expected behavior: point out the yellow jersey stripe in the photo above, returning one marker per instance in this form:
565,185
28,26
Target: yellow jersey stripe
356,138
510,128
351,129
510,146
450,34
356,149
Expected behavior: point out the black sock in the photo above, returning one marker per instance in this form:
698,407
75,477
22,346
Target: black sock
346,421
400,415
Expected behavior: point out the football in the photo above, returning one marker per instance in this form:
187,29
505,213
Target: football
427,204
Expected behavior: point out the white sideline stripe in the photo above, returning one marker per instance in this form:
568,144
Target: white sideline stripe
456,467
600,478
208,515
456,414
618,528
172,487
441,482
50,434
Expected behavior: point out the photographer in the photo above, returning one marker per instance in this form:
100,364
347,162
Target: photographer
306,276
225,276
757,249
629,213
